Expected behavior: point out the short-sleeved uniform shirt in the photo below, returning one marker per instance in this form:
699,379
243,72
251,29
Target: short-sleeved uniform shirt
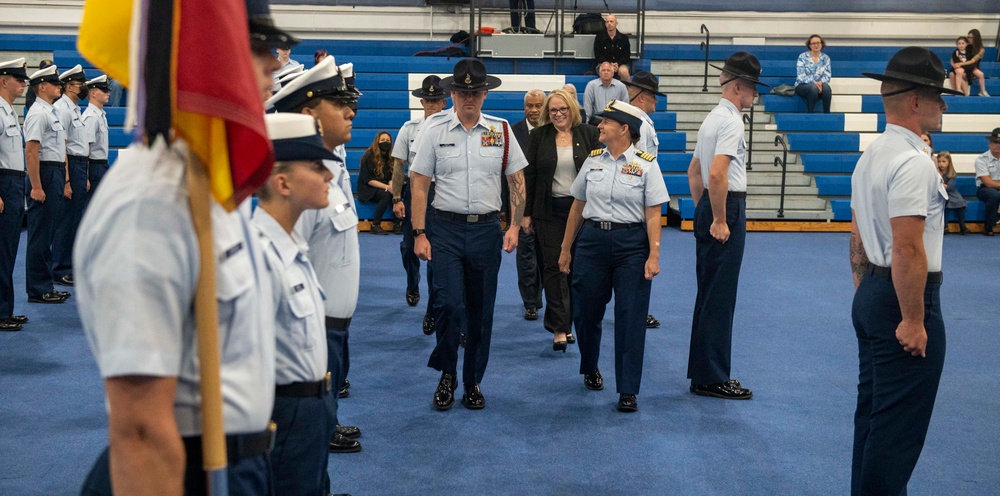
648,140
95,123
618,189
896,177
403,147
722,134
596,96
987,165
298,302
12,140
72,120
42,124
137,263
466,165
332,235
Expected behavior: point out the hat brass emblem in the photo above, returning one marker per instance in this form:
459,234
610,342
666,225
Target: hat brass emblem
430,89
309,94
468,79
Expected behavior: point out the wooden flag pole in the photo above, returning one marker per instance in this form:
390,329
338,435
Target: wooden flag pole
206,310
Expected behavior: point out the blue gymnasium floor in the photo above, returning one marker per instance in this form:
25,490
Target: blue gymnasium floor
542,432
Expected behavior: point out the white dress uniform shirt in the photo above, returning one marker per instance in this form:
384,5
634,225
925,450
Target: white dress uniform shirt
896,177
42,124
648,140
12,140
137,265
298,302
95,121
466,165
619,189
722,134
76,135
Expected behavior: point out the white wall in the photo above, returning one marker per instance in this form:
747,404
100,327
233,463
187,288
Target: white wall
63,16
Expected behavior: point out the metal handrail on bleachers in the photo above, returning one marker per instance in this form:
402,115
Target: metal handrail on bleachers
704,46
783,162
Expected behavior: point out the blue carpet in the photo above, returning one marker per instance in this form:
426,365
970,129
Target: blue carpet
542,432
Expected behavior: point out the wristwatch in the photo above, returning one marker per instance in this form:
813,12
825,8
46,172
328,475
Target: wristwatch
397,200
418,232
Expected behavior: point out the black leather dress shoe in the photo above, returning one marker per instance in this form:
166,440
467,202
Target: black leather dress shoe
731,390
651,322
531,313
570,338
627,403
559,346
473,398
64,294
594,382
341,444
444,395
988,232
50,297
428,324
9,326
344,391
349,431
412,298
461,340
66,280
18,319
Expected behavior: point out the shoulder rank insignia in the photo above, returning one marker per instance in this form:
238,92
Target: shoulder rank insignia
648,157
597,151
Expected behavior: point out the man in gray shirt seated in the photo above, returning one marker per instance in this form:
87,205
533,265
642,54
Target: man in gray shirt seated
602,90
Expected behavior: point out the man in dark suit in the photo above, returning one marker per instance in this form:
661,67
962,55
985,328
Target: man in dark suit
529,271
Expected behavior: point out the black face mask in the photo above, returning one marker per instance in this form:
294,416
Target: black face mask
384,147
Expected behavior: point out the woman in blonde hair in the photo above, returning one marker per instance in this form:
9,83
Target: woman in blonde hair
556,150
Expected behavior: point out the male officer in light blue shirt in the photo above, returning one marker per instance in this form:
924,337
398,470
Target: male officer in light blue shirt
988,180
332,233
12,83
74,83
95,120
467,154
45,157
718,180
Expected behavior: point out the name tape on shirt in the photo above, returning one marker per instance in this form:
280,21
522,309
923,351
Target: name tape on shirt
491,138
231,252
633,169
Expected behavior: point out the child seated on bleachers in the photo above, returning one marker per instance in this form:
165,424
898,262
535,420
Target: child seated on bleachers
959,78
956,201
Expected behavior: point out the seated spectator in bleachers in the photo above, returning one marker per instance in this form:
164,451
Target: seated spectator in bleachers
602,90
974,54
988,180
613,46
571,90
959,78
375,178
956,201
926,137
812,70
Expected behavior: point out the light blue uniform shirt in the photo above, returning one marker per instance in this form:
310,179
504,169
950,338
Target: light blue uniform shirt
95,121
137,262
12,140
648,140
42,125
619,189
987,165
298,302
722,134
403,147
466,165
596,96
71,119
896,177
332,235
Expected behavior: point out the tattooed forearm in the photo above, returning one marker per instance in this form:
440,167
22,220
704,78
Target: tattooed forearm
859,260
516,183
397,178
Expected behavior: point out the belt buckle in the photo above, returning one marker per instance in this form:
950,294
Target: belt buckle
328,382
605,225
272,428
472,218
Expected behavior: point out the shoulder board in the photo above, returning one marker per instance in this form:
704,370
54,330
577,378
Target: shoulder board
596,152
648,157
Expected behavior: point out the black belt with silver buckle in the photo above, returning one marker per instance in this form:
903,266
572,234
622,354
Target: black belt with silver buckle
886,273
316,389
11,172
613,226
468,218
51,163
338,323
240,446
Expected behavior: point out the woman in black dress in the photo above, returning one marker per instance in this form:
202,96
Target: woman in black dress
375,179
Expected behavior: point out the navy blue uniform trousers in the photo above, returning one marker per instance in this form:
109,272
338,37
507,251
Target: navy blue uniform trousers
62,241
337,363
301,451
12,193
606,261
896,391
991,198
466,260
96,172
246,476
718,272
43,218
410,261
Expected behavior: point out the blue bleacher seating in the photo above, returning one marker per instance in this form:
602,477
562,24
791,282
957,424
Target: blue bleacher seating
817,163
956,104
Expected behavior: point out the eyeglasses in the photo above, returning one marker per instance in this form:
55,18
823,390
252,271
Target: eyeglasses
816,43
560,110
